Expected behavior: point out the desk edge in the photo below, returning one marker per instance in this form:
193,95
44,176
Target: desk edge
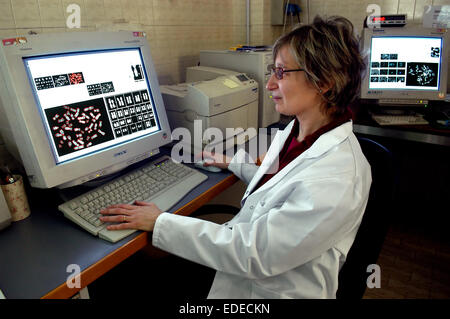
108,262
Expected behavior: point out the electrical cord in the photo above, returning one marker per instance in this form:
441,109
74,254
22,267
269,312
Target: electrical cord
285,16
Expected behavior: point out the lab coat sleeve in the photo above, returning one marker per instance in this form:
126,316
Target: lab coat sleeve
242,167
313,218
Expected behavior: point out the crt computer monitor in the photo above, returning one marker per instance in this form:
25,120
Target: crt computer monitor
77,106
406,65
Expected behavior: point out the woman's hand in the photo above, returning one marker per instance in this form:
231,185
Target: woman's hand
141,215
217,160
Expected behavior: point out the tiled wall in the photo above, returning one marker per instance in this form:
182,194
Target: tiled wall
178,29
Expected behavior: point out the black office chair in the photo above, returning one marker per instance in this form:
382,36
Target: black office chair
375,223
216,213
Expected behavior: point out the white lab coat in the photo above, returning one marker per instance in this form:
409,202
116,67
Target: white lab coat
293,234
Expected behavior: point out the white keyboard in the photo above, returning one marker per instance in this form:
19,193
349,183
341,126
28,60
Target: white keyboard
162,182
399,119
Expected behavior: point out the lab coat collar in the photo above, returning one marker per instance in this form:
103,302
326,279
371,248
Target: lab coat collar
324,143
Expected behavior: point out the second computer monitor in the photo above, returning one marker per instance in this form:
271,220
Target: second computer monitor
405,64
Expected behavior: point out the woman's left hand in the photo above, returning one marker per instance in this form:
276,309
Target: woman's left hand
140,215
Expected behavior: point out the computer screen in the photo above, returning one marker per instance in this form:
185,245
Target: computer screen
405,64
80,106
92,100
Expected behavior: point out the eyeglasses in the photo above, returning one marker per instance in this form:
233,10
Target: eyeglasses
279,71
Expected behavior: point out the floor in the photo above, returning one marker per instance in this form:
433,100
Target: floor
414,263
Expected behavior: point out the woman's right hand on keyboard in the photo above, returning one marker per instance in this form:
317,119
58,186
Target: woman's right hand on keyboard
140,215
215,159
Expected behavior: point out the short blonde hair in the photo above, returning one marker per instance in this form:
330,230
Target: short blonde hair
329,52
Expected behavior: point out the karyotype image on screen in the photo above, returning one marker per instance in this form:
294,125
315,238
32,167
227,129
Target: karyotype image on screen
76,78
137,72
107,87
61,80
45,82
130,112
49,82
79,126
94,89
422,74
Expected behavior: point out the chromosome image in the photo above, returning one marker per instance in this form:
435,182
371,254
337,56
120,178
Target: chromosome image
107,87
422,74
43,83
137,72
435,52
94,89
61,80
130,112
76,78
79,126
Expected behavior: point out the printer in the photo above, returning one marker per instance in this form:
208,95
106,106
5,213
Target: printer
225,101
204,73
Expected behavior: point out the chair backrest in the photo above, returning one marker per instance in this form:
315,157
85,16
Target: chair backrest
374,225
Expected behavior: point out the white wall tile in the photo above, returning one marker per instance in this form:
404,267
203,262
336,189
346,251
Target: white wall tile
26,13
95,12
239,12
7,16
52,13
7,33
113,10
407,6
130,11
441,2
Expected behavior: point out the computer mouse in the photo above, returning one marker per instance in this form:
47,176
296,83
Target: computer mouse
212,169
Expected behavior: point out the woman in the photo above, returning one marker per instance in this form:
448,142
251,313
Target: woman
303,205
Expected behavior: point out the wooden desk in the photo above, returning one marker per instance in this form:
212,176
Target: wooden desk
36,251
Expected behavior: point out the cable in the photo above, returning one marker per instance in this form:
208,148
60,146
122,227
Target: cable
285,16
